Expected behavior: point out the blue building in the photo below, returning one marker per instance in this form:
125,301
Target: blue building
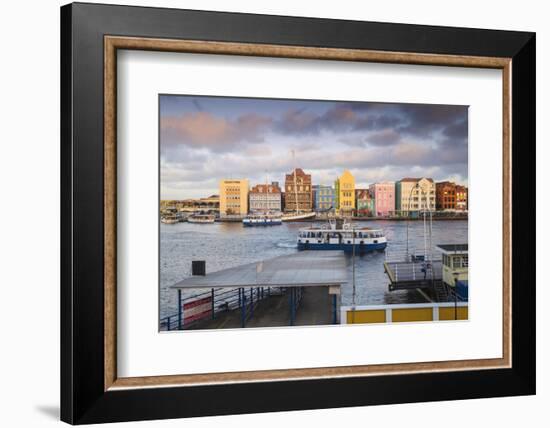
323,197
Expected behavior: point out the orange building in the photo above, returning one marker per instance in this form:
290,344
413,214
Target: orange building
445,195
461,198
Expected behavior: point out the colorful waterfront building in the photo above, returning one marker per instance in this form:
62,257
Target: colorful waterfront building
384,198
265,197
461,198
323,197
364,202
344,187
414,194
233,197
445,195
299,195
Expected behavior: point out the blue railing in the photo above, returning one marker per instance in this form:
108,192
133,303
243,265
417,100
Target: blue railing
221,300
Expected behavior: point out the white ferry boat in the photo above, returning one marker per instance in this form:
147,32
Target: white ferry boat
339,235
201,218
262,220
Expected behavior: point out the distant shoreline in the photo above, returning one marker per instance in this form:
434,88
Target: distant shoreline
314,220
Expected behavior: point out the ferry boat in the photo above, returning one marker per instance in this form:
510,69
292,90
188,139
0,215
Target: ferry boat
340,235
262,220
201,218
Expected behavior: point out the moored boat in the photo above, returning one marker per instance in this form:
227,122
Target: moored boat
169,220
262,220
339,235
201,218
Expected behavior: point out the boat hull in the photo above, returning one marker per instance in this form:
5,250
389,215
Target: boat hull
262,223
348,248
298,217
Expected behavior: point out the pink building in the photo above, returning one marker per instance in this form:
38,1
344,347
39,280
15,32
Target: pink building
384,197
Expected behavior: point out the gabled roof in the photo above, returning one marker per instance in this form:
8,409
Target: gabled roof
411,179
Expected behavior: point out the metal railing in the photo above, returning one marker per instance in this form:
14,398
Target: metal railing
221,300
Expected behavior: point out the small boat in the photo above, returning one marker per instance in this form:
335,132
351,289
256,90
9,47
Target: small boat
340,235
262,220
169,220
201,218
297,216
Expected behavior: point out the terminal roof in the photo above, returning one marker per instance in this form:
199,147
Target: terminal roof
305,268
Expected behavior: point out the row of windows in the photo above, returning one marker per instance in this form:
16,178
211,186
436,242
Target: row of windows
265,197
300,188
456,262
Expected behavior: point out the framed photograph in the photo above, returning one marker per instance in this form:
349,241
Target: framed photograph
265,213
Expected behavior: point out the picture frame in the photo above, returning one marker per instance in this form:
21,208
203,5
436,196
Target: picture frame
91,391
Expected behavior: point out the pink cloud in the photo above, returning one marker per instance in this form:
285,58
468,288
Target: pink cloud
204,129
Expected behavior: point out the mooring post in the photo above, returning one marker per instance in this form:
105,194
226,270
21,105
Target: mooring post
251,302
243,307
212,298
291,304
180,309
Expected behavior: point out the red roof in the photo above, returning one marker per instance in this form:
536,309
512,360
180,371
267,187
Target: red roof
265,188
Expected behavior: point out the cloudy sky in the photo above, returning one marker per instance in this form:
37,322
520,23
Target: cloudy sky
205,139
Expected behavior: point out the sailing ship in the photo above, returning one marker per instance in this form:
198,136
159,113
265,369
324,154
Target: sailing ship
297,215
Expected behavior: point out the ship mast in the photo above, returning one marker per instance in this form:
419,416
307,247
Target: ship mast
295,181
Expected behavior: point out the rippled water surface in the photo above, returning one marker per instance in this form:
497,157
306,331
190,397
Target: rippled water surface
225,245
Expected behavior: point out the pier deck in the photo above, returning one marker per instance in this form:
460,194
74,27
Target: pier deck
409,275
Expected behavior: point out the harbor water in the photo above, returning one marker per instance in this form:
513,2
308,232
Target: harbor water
226,245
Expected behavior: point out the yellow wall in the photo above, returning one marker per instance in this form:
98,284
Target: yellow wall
407,314
346,197
233,197
366,317
412,314
449,313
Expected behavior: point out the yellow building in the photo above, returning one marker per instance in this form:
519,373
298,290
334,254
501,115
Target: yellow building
233,197
345,192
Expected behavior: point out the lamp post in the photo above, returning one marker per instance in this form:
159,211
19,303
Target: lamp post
415,187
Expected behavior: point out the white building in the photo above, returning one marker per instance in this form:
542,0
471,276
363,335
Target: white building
265,197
